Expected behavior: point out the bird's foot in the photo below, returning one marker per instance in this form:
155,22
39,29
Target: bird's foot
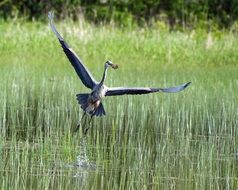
85,131
77,128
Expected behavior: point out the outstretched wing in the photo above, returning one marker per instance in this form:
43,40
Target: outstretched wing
136,91
80,69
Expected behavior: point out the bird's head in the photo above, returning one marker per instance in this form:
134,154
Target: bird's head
110,64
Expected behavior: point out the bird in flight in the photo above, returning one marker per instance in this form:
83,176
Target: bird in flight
91,103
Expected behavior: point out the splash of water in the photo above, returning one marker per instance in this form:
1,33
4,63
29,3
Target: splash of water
82,160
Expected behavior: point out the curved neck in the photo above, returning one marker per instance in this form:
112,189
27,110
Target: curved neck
104,75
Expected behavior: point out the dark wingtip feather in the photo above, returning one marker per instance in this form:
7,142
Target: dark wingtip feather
187,84
176,88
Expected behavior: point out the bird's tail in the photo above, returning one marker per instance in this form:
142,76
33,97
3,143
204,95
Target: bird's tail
82,100
100,110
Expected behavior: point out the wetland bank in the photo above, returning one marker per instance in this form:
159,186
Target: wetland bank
164,141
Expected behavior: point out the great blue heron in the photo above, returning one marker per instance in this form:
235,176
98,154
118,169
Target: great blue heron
91,103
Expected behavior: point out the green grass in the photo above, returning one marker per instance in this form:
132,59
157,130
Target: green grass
186,140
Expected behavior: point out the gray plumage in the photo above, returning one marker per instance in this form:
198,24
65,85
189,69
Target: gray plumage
80,69
91,103
140,90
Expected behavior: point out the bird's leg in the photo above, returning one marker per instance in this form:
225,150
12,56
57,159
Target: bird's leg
78,126
86,130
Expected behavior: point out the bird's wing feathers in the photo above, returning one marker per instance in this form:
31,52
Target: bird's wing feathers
80,69
126,90
176,88
140,90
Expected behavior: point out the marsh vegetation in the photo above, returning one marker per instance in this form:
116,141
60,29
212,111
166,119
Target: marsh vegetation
186,140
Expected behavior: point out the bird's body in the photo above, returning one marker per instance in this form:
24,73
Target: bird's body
94,99
91,103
